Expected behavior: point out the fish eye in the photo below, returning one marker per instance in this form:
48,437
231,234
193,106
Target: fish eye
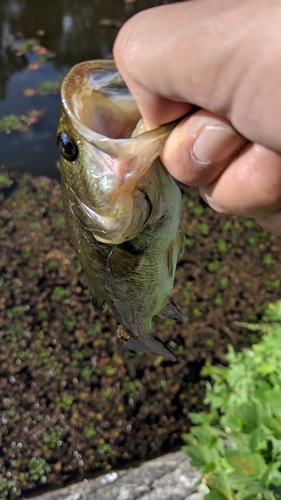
67,146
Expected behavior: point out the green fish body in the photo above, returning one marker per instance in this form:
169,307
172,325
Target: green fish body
122,207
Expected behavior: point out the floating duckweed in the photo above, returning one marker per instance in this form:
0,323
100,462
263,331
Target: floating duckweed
60,293
197,210
226,225
268,259
45,88
44,355
89,431
38,469
94,329
77,356
5,181
65,402
272,284
222,245
15,311
223,281
104,448
34,225
248,223
42,314
52,263
51,438
41,195
196,313
218,300
213,267
189,242
26,254
86,373
58,220
204,229
105,392
109,371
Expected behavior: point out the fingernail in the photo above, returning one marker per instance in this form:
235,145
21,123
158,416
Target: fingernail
215,144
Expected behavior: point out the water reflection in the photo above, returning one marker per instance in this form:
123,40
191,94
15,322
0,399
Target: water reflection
72,30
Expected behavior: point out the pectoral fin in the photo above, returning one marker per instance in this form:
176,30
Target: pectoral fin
123,259
171,311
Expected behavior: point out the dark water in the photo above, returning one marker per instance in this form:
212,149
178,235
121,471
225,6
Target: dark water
73,31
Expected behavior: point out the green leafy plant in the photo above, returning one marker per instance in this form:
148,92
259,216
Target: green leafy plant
237,443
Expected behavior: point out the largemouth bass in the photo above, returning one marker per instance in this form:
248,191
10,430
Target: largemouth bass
122,207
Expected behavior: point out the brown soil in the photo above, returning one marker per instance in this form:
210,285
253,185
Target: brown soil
73,400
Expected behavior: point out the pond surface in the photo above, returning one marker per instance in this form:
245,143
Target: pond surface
75,31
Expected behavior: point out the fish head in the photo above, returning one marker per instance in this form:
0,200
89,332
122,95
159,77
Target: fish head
106,152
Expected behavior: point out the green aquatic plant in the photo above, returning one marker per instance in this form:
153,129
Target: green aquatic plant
38,470
59,293
203,228
45,88
236,443
5,181
64,402
94,329
51,437
20,123
86,373
34,225
89,431
213,267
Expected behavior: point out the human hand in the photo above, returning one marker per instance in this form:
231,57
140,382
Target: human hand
223,56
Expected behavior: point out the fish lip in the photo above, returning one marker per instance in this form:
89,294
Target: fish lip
117,147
